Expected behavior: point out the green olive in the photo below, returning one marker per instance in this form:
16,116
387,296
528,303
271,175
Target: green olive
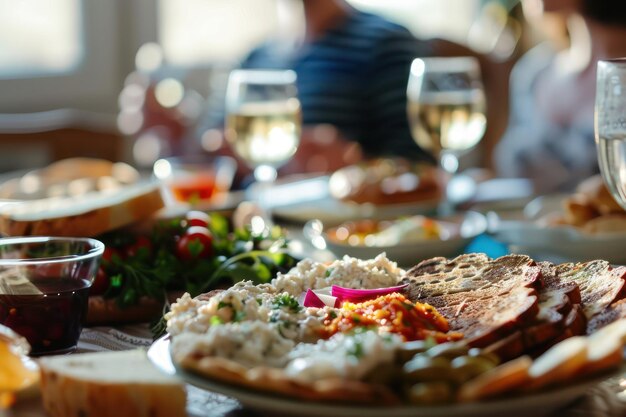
423,368
449,350
477,352
383,374
429,393
468,367
410,349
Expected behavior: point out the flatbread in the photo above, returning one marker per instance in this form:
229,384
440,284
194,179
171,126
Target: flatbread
276,381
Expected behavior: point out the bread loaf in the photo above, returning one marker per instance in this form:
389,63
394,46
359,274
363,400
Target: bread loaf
111,384
86,215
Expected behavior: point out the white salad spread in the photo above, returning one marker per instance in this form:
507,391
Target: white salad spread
266,325
348,356
243,301
249,343
348,272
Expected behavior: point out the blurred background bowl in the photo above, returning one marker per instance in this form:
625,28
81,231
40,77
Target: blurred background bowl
44,287
456,232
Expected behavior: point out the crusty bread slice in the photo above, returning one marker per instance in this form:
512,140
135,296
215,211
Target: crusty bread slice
606,349
600,284
110,384
611,314
470,272
507,377
87,215
484,317
559,363
485,299
509,347
557,298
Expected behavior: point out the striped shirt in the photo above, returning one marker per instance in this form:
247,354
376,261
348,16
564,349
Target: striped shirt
354,77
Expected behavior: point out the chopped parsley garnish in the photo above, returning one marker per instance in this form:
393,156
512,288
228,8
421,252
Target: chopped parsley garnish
222,304
287,301
239,316
356,350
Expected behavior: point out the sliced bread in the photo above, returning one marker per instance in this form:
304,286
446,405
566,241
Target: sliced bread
87,215
110,384
600,284
486,299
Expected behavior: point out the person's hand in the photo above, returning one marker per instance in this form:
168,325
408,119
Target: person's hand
322,150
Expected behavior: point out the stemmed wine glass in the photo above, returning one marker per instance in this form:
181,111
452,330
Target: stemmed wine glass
446,107
610,126
263,119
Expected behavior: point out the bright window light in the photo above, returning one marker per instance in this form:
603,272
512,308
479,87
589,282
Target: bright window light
448,19
39,37
194,32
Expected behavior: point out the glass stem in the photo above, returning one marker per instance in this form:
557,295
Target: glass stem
449,164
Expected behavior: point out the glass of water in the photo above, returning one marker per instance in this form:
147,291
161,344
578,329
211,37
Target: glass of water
610,125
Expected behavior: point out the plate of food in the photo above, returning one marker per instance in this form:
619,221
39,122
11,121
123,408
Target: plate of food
405,240
466,336
585,225
380,188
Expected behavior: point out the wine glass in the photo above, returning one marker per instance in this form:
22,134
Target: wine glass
263,119
610,125
446,107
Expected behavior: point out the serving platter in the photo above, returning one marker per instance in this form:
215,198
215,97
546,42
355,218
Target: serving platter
535,404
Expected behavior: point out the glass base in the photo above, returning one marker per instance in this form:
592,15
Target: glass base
64,351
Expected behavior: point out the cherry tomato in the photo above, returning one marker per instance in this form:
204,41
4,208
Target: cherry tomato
100,284
197,218
196,243
142,243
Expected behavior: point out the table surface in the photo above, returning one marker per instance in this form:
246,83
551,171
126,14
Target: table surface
606,399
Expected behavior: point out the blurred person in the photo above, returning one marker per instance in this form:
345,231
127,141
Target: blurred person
550,137
352,72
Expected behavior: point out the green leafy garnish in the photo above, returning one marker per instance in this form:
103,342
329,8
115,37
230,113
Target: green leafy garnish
287,301
357,349
237,255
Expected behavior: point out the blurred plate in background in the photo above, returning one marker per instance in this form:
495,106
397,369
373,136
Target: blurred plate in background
302,199
456,233
556,243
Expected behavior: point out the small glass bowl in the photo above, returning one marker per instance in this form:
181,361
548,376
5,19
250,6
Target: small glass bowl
195,179
44,287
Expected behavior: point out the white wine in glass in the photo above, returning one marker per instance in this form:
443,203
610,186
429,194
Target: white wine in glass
610,126
446,107
263,119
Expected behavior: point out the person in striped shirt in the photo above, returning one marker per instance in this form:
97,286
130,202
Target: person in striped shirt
352,72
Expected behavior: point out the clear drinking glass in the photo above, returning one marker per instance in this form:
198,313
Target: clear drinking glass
263,119
610,125
446,107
